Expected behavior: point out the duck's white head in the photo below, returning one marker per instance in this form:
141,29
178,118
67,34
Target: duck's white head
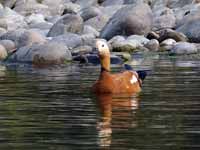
102,47
104,54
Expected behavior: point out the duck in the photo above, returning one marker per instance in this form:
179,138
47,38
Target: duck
128,81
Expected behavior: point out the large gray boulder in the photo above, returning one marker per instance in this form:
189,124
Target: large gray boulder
111,10
23,37
186,14
163,18
70,40
134,1
55,7
28,7
11,20
97,22
191,30
70,7
42,54
90,12
183,48
35,19
112,2
9,3
170,3
8,44
68,23
90,30
132,19
86,3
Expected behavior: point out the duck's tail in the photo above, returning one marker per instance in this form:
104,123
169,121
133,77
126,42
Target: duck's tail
141,73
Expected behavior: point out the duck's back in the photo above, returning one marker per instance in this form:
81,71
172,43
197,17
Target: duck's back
125,82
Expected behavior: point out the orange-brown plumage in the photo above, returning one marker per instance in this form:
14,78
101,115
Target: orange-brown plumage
124,82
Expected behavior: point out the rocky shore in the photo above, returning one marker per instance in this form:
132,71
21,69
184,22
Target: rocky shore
45,32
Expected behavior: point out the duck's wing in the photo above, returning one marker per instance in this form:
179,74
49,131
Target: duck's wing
126,82
141,73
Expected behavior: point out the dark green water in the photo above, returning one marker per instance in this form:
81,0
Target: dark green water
53,109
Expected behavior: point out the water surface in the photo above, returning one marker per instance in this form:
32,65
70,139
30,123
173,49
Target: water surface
53,108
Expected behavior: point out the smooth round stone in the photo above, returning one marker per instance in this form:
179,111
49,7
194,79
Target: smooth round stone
152,45
183,48
3,53
8,44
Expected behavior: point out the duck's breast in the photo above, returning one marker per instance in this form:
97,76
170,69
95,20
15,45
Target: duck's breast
104,84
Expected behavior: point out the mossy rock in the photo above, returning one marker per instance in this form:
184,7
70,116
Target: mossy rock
124,48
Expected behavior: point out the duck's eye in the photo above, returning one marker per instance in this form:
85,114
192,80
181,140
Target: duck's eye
102,45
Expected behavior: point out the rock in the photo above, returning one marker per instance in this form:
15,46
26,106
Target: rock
70,40
112,2
53,19
132,19
179,3
187,14
28,7
11,20
153,35
172,34
191,30
124,46
167,44
90,30
41,25
183,48
121,44
124,55
94,59
42,54
97,22
116,39
152,45
35,19
88,39
81,50
163,18
141,40
9,3
71,8
3,53
111,10
90,12
1,6
23,37
29,38
68,23
13,36
86,3
135,2
55,7
8,45
2,31
170,4
42,32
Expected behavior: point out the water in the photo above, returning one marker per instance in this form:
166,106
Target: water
53,108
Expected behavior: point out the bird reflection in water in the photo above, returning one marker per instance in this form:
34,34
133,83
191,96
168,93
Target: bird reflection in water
117,113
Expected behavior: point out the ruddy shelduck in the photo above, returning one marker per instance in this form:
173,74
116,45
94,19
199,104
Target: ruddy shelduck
128,81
